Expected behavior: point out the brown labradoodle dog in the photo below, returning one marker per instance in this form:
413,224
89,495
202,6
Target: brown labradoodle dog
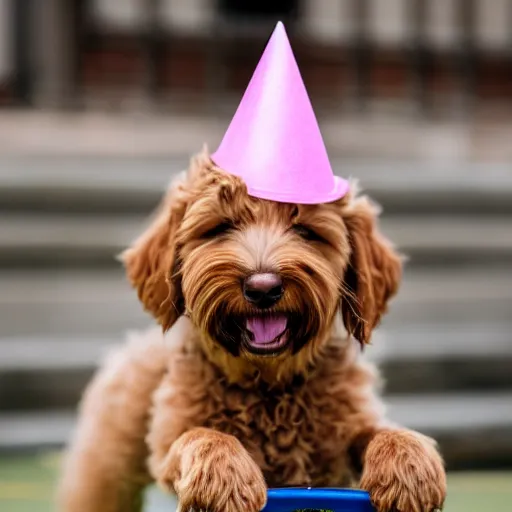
255,381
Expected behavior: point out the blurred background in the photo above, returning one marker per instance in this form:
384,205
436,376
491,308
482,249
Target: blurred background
103,101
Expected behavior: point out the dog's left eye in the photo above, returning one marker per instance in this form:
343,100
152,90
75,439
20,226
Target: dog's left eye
308,234
219,229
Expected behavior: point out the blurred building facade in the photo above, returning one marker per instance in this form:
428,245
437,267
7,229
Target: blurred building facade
63,51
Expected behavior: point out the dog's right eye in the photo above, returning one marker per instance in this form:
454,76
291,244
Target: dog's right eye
219,229
308,234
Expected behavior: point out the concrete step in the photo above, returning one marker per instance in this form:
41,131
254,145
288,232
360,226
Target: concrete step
57,239
473,429
63,302
101,302
385,131
135,183
435,357
400,345
423,360
463,423
80,239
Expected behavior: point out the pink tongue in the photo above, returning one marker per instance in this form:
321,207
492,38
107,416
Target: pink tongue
266,329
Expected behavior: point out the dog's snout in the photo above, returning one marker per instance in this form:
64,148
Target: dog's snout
263,290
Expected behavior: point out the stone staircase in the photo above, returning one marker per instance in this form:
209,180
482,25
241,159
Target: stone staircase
445,348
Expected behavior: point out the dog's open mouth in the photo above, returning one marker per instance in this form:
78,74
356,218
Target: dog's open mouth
267,334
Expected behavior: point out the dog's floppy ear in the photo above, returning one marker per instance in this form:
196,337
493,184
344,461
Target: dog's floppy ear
373,273
152,261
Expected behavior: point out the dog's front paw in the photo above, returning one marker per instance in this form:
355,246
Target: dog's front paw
404,472
213,472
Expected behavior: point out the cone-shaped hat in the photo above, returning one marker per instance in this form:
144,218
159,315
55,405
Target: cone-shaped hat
273,142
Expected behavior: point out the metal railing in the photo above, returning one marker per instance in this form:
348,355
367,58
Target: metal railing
73,29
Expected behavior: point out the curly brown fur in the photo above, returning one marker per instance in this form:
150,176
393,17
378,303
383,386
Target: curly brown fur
212,415
404,472
105,469
212,470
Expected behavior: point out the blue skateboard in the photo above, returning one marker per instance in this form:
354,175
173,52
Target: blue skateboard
335,500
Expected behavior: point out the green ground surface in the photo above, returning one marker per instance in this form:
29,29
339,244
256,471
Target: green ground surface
26,485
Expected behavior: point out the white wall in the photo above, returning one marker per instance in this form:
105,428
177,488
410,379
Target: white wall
180,15
388,22
119,13
494,17
188,15
330,20
441,23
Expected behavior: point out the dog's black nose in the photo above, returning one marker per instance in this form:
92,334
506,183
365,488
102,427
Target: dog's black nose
263,290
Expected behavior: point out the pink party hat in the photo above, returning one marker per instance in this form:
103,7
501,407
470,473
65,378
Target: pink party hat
273,142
